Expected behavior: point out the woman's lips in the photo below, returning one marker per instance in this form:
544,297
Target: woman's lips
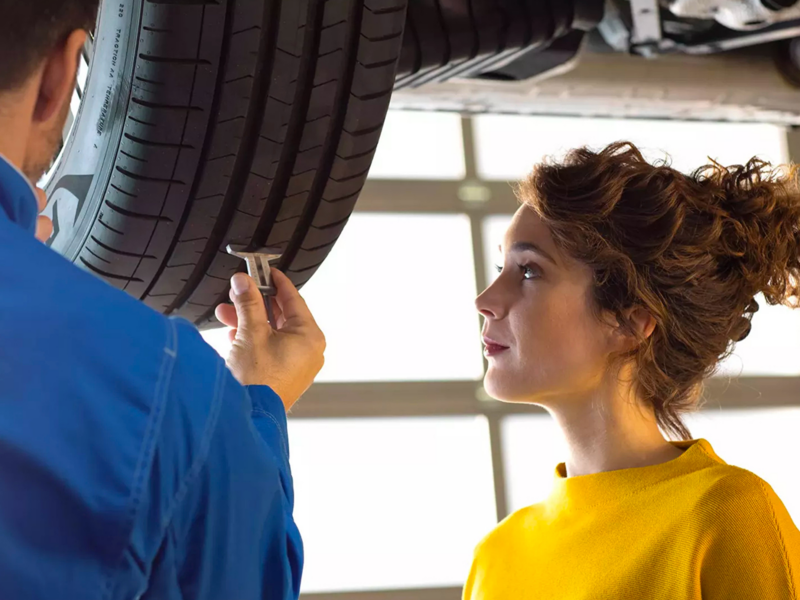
493,348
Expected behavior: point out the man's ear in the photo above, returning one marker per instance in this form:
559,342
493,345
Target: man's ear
59,70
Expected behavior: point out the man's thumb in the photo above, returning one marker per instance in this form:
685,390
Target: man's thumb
249,303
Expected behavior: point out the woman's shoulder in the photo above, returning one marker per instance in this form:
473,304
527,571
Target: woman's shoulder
735,499
513,528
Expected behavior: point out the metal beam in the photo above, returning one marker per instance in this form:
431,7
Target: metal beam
429,399
399,196
731,86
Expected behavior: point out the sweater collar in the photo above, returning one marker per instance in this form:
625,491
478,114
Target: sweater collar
17,197
611,486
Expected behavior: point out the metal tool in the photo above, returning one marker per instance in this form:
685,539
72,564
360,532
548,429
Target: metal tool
258,267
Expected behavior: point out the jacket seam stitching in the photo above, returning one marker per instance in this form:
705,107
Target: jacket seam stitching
205,444
144,462
263,413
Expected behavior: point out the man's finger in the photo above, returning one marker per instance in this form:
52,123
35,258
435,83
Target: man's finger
41,198
249,303
226,314
289,299
44,229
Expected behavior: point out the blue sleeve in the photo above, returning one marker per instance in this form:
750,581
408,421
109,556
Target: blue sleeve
235,533
228,528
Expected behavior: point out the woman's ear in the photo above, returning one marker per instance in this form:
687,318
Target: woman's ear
643,325
643,321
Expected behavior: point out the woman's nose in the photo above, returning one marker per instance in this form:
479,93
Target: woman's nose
486,306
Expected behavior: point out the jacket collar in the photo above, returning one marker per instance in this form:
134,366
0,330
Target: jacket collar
17,197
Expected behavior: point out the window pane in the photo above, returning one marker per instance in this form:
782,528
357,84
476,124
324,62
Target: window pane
420,145
772,348
391,503
532,447
507,146
763,441
396,301
494,230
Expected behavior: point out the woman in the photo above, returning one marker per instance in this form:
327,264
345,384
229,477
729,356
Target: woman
623,286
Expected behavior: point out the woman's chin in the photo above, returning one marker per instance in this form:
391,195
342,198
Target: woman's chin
504,387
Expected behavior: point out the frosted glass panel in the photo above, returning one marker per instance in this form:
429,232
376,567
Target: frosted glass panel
533,446
507,146
420,145
773,346
396,301
764,441
391,503
494,231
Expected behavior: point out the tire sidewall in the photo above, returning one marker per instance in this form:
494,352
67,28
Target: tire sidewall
77,185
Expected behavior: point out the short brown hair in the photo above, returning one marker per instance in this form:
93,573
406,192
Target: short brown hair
693,250
29,29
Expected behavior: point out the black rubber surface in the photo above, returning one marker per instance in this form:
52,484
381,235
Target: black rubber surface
467,38
249,120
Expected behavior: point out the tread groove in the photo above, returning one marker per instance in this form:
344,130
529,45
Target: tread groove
97,256
145,123
331,225
247,148
173,60
383,38
359,155
121,191
129,213
129,155
109,275
109,227
376,95
376,65
320,247
343,198
306,74
145,80
386,11
159,105
146,178
120,252
145,142
351,177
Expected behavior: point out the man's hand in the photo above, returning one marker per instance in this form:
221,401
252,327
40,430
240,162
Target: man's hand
287,359
44,226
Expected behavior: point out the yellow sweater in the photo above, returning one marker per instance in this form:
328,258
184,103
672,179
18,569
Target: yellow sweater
691,528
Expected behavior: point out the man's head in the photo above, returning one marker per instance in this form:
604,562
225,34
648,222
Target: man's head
40,45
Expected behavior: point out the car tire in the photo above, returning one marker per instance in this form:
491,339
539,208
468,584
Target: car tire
210,121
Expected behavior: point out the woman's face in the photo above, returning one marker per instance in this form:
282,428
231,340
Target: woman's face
543,340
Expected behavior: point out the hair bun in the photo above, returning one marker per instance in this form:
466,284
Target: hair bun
742,329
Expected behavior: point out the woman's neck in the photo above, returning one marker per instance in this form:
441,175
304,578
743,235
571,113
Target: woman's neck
608,430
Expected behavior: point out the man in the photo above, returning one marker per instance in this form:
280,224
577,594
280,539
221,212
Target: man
132,462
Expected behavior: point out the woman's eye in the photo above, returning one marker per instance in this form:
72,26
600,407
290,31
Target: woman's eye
528,272
499,268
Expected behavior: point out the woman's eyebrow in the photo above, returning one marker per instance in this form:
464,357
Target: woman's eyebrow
531,247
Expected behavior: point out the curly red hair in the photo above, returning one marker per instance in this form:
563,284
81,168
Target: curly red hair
693,250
